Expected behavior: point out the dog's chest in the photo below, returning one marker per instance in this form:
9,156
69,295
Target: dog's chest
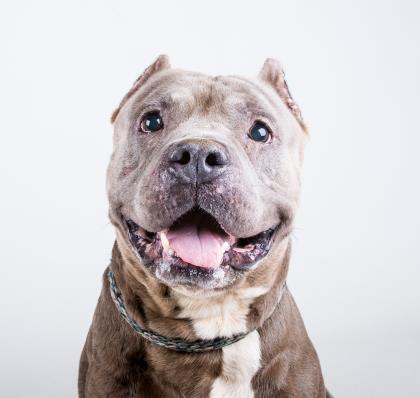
225,317
241,362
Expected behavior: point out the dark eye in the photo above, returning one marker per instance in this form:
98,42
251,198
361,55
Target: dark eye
151,122
260,132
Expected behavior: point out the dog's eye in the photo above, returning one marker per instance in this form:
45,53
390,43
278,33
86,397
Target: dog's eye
151,122
260,132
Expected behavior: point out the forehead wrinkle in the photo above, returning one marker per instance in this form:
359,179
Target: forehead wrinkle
249,105
163,96
263,94
225,97
208,97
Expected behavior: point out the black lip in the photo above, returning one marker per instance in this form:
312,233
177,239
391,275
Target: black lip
264,242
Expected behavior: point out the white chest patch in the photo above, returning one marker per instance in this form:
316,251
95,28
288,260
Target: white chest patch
226,316
241,362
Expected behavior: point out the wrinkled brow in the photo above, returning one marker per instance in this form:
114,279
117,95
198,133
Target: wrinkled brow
250,108
165,101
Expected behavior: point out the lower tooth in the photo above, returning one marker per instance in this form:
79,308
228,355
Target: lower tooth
165,244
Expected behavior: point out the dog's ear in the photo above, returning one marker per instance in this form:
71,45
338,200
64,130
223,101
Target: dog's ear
161,63
273,73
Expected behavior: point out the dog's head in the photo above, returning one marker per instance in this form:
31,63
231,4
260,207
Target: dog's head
204,179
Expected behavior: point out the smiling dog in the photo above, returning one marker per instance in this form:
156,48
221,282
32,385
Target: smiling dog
203,186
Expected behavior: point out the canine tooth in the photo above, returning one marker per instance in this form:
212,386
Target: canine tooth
165,244
226,246
164,240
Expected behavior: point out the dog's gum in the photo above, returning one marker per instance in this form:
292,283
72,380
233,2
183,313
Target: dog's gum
245,249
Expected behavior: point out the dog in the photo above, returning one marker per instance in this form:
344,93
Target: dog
203,186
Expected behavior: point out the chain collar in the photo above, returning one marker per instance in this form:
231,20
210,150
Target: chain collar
175,344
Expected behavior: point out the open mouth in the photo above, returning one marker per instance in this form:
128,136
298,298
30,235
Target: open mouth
196,240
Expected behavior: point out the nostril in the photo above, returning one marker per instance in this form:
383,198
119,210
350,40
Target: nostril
215,159
185,158
181,157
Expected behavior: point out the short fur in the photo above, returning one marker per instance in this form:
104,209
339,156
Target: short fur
276,359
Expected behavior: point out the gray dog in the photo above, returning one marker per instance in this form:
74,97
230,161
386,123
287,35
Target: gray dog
203,186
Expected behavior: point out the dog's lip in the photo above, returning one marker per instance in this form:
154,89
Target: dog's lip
233,258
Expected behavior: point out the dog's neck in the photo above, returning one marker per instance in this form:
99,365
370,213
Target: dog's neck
177,313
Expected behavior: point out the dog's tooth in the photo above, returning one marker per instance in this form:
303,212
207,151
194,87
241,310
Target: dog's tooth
164,240
226,246
165,244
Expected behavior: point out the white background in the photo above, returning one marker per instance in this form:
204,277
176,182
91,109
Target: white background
354,69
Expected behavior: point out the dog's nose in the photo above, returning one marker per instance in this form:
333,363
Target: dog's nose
196,161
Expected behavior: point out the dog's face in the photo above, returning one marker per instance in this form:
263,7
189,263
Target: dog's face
204,178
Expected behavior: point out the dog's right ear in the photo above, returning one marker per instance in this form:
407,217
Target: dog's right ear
161,63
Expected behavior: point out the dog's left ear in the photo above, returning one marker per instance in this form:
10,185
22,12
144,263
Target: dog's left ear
161,63
273,73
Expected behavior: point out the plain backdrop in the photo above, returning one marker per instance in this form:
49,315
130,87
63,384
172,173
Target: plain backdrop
354,69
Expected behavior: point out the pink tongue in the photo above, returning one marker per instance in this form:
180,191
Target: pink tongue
197,244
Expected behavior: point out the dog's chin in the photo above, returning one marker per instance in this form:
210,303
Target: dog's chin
195,252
